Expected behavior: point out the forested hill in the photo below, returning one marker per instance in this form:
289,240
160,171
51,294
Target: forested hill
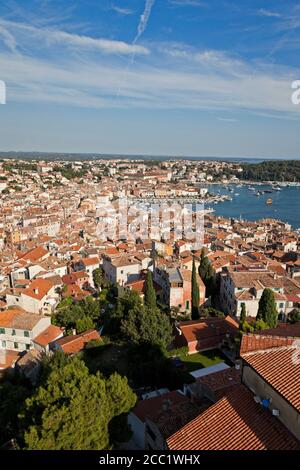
281,170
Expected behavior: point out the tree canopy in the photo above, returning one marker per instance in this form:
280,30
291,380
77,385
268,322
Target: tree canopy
294,316
72,408
243,313
267,308
207,274
143,325
150,295
82,316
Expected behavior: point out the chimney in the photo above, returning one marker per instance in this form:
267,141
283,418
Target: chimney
36,291
74,332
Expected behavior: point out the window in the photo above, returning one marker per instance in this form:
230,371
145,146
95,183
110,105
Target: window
281,305
27,346
3,344
16,345
13,332
187,305
26,334
2,331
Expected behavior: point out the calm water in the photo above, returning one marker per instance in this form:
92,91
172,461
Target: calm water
248,206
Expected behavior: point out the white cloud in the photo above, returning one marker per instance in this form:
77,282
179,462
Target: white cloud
50,36
122,10
8,39
190,3
104,45
268,13
90,84
174,76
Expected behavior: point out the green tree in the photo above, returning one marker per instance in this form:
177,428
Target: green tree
294,316
147,326
98,277
72,409
259,325
246,327
210,312
84,324
195,293
267,308
12,398
150,295
207,274
243,313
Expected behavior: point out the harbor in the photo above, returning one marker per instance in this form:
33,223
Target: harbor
249,201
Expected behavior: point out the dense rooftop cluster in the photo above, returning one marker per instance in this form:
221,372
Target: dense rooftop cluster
67,287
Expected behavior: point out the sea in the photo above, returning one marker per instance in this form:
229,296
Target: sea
246,205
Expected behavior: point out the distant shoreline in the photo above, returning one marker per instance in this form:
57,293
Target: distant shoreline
71,156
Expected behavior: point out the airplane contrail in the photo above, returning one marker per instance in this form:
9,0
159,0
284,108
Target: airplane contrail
144,19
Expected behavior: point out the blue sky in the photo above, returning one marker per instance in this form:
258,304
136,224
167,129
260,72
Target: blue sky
167,77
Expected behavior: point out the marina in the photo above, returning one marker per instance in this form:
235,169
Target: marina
251,201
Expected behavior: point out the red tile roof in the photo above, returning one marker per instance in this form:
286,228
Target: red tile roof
38,288
35,254
222,381
8,358
280,368
47,336
236,422
283,329
256,342
150,407
75,343
73,277
201,329
90,261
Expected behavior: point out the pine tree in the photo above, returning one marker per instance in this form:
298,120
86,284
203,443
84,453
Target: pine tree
195,293
150,296
243,313
72,409
267,308
207,274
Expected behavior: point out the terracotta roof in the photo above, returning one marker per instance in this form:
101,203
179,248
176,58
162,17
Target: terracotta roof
279,367
8,358
75,343
236,422
283,329
200,329
90,261
263,340
29,360
38,288
73,277
140,285
19,319
35,254
47,336
220,382
149,408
